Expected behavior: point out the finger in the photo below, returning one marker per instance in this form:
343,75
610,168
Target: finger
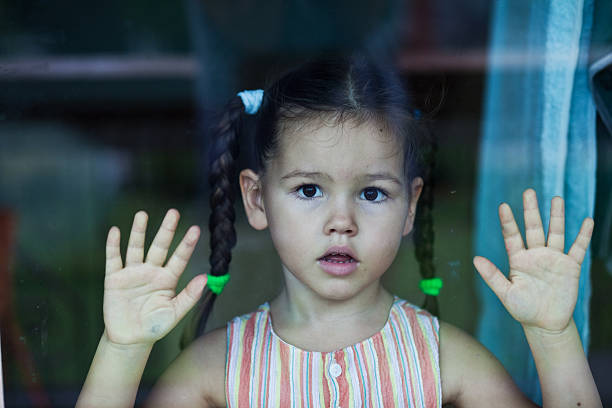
492,276
556,227
113,253
534,232
159,248
579,248
510,231
189,296
135,250
178,260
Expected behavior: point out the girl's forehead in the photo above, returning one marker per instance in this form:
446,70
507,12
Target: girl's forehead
348,145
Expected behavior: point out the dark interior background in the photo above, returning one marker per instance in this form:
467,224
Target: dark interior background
103,108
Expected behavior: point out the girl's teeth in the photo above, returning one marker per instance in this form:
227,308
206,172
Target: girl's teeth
341,262
339,258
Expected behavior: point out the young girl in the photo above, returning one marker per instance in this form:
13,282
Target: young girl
339,170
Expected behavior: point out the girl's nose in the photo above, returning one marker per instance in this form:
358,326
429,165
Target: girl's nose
341,221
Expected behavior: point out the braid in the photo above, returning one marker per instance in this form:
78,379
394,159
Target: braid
424,232
223,157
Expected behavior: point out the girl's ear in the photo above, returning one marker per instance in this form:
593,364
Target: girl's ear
252,198
417,187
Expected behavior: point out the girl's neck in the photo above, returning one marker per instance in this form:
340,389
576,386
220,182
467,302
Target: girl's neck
307,308
313,323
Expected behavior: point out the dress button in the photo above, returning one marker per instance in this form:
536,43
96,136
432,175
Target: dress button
335,370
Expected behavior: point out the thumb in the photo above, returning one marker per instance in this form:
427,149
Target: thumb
492,276
189,296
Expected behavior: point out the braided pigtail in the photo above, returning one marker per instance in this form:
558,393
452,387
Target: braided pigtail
424,233
222,173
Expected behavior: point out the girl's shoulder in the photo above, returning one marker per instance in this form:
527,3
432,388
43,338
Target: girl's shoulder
406,305
416,314
197,376
256,321
467,370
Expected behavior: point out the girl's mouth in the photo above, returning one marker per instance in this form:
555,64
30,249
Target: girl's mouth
338,261
338,258
339,254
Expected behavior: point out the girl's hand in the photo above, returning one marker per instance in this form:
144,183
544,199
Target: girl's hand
140,306
542,286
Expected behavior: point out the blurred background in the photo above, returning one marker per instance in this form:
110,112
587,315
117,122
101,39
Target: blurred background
103,111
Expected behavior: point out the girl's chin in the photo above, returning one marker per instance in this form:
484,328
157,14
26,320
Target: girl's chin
339,291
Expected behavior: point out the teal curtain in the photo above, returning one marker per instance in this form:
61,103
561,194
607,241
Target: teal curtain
538,131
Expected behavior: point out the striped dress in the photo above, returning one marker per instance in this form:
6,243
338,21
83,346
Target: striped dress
396,367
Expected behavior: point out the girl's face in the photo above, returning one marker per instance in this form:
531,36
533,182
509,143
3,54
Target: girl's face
337,204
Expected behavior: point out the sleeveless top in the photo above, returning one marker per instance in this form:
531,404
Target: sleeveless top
396,367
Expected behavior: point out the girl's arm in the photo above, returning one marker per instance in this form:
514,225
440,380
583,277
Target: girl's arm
564,372
472,376
196,378
114,374
540,293
140,307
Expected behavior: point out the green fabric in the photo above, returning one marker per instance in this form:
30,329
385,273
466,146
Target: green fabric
431,286
217,283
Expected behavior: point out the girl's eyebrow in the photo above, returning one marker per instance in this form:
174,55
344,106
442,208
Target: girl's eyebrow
317,174
305,174
382,176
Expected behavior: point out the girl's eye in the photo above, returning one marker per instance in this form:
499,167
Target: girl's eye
373,194
309,191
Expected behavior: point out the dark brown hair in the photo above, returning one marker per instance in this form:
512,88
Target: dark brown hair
343,88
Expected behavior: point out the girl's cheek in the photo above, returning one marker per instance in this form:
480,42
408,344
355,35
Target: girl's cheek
288,224
384,235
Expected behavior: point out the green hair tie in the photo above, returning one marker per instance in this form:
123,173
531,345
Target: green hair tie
217,283
431,286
